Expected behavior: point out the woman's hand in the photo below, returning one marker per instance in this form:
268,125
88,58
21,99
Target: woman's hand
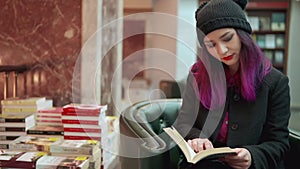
199,144
242,160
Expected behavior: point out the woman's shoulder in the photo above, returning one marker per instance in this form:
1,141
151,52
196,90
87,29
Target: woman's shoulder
274,77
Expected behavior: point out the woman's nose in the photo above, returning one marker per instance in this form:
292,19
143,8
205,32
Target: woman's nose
222,50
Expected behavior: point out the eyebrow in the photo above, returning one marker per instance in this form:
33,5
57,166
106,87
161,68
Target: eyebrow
219,37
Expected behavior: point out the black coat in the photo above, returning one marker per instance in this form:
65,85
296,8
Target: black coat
260,126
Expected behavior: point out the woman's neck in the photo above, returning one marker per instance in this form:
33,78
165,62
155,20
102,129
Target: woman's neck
233,69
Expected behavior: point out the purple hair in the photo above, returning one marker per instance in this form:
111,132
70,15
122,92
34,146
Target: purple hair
254,65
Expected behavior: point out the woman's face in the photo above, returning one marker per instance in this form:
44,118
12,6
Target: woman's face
225,45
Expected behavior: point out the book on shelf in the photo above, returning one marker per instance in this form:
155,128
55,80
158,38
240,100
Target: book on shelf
269,55
95,158
34,143
12,133
54,162
190,154
4,137
16,110
46,121
18,124
46,130
85,134
49,122
2,129
79,121
23,101
261,40
280,41
278,57
264,23
21,108
75,109
22,120
278,21
22,117
43,118
4,144
46,116
84,147
95,129
254,22
270,41
50,112
82,128
38,106
19,159
74,137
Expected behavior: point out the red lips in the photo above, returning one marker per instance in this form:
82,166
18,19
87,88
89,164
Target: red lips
228,57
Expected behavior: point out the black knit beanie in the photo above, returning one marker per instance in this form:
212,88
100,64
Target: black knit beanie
217,14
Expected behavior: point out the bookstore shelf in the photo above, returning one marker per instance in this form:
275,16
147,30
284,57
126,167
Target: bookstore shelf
270,24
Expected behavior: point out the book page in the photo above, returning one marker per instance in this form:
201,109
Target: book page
189,153
184,146
213,153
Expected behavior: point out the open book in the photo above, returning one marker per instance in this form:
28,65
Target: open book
190,154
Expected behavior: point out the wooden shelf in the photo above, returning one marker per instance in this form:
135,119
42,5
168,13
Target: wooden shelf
272,49
267,5
267,32
270,23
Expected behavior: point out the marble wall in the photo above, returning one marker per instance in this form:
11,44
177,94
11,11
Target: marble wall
46,36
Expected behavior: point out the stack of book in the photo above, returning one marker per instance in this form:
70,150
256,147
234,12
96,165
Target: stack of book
19,159
49,116
69,148
34,143
54,162
81,122
24,105
46,130
14,125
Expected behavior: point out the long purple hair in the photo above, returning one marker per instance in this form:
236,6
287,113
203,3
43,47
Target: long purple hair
253,67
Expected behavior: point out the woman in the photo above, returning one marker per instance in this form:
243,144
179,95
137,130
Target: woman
234,97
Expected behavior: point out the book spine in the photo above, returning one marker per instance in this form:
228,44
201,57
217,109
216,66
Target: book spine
8,138
72,150
2,129
82,134
76,110
49,121
29,147
48,116
56,110
80,126
4,146
6,120
15,163
81,138
90,130
80,113
16,124
90,122
20,110
39,132
21,133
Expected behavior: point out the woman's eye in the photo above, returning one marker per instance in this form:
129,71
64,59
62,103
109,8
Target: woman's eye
210,45
228,38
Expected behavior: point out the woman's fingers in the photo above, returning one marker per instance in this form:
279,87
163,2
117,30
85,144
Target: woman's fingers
200,144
